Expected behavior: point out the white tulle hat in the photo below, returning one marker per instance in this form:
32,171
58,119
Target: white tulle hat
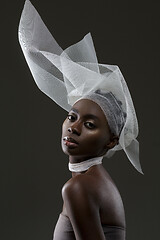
69,75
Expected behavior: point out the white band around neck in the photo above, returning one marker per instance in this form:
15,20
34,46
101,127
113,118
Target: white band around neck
85,165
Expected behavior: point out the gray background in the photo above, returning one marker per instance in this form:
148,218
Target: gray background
33,166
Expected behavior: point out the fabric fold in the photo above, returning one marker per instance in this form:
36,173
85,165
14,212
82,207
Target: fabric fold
69,75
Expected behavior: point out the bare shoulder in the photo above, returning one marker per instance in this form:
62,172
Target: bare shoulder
79,185
82,208
94,192
93,183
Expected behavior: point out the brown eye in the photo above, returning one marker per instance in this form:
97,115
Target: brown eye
90,125
70,117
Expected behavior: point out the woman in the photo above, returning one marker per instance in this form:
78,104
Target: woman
93,207
101,121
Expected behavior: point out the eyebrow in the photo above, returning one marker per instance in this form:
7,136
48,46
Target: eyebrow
87,115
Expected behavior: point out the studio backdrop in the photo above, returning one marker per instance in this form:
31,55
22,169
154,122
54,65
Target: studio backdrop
33,165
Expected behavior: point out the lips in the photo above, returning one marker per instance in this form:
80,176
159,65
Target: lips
69,139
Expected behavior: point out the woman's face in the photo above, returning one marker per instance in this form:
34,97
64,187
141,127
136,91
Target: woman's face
87,125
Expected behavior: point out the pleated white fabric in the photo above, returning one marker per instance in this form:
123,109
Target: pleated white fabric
85,165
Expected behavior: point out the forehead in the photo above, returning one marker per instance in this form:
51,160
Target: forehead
87,106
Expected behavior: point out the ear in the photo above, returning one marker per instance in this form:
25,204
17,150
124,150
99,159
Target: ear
114,141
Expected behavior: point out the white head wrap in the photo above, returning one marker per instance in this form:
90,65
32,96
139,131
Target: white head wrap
69,75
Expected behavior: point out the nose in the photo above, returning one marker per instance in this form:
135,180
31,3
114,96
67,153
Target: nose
75,128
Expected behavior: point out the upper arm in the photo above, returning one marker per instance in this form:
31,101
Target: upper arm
83,211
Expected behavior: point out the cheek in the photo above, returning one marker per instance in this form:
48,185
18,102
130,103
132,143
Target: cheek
96,139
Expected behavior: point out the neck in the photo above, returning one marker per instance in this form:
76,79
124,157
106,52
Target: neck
78,159
84,165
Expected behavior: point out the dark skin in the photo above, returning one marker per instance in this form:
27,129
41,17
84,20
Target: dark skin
90,197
